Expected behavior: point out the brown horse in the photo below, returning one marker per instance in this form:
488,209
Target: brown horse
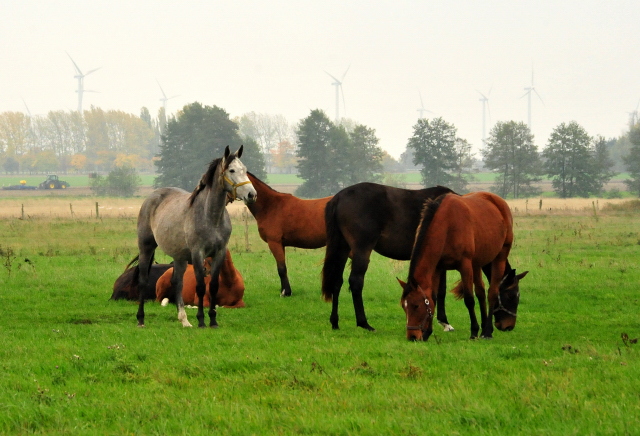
230,290
287,221
126,286
462,233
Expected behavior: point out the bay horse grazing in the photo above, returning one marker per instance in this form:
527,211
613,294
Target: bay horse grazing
287,221
230,286
463,233
192,227
367,217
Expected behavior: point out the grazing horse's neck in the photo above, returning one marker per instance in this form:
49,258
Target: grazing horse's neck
265,196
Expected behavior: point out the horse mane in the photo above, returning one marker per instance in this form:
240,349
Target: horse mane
207,178
429,209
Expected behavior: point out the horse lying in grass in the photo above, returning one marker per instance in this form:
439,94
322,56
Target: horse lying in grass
126,286
287,221
190,228
230,290
463,233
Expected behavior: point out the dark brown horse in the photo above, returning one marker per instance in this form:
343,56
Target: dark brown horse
287,221
126,286
230,290
367,217
462,233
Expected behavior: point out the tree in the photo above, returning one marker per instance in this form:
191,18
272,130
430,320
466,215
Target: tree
366,156
602,163
11,165
568,161
464,162
632,160
198,135
315,166
121,182
433,144
511,153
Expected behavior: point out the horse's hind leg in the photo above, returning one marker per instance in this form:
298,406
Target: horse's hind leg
335,260
466,274
216,264
440,309
179,267
482,301
278,253
144,265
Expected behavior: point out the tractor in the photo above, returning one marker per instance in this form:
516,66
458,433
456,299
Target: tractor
53,182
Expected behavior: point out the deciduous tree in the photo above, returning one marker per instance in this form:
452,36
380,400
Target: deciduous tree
433,146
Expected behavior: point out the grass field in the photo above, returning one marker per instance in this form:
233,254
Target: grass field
74,363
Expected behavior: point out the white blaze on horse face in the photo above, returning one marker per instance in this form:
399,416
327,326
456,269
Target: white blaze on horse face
237,173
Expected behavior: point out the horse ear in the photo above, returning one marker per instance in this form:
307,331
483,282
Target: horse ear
227,152
521,276
508,277
239,152
403,284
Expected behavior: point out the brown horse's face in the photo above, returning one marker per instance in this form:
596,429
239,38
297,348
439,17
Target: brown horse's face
419,309
506,308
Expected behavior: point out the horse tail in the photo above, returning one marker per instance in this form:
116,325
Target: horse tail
133,263
335,246
457,291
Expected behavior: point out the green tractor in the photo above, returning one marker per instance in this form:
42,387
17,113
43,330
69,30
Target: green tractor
53,182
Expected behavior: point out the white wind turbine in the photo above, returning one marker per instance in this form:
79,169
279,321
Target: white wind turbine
528,93
338,85
164,98
422,110
80,78
485,108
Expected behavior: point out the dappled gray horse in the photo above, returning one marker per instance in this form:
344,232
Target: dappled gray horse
192,227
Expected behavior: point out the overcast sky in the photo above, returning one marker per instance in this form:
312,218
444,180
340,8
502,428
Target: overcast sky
270,57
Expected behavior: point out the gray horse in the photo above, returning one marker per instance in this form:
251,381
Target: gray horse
192,227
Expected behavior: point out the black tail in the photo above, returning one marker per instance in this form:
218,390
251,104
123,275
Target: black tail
336,244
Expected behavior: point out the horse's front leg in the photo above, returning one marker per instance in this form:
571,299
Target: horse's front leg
144,264
198,270
359,266
277,249
216,264
179,267
482,301
497,273
440,309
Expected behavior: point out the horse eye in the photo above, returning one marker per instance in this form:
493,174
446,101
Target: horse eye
232,171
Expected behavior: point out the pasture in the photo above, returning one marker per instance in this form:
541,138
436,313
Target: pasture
73,362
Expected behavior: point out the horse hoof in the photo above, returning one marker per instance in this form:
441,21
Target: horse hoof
186,324
486,337
215,326
141,325
335,327
367,327
285,293
165,302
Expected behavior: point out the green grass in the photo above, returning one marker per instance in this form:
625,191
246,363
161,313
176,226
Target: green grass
75,180
73,362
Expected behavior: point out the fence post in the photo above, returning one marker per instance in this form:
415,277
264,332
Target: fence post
540,206
23,211
97,212
71,209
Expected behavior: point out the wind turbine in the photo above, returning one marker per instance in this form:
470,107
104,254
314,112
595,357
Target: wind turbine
164,98
27,107
80,78
528,93
634,115
485,108
422,110
338,85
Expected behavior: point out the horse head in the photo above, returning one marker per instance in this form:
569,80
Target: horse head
506,307
236,182
419,309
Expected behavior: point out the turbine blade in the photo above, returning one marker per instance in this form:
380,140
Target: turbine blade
95,69
90,90
421,103
525,94
74,64
173,97
345,73
483,96
490,89
539,97
489,110
25,105
163,94
333,77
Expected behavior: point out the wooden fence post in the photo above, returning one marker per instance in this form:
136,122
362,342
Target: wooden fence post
245,217
97,212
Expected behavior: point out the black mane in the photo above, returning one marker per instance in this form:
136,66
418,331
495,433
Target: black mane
429,210
207,178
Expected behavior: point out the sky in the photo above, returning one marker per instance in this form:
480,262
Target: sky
271,57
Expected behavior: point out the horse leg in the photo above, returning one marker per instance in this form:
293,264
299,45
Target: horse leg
442,293
277,249
466,274
359,266
214,283
482,301
198,270
498,267
332,271
179,267
144,265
